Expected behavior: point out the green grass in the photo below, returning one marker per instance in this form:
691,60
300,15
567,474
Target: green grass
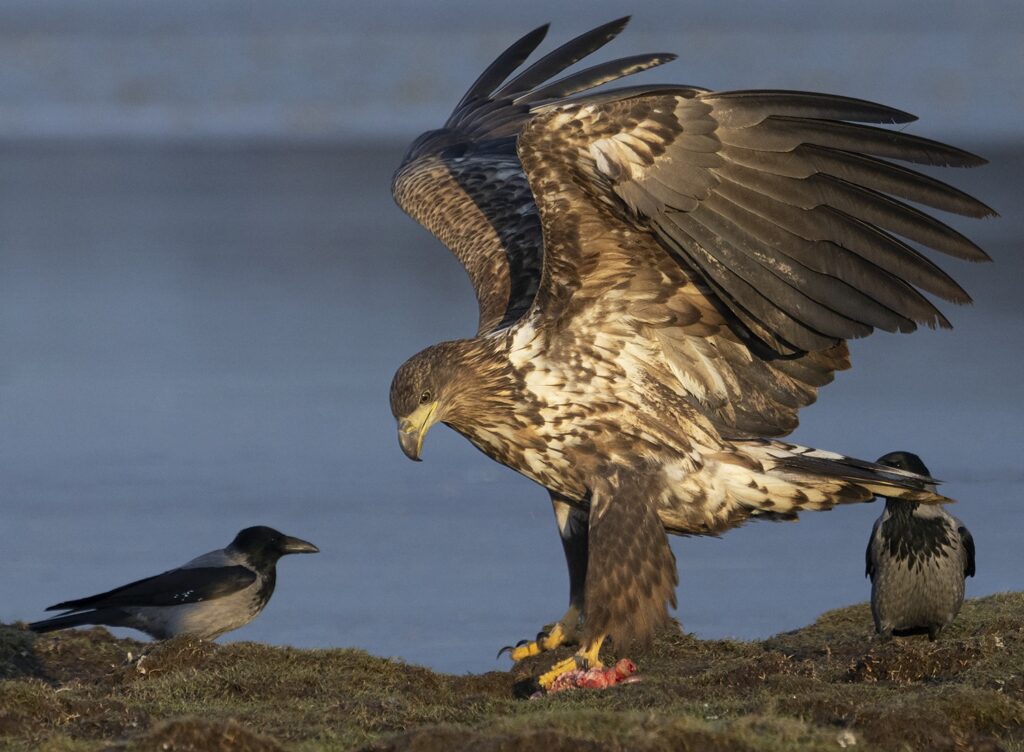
814,688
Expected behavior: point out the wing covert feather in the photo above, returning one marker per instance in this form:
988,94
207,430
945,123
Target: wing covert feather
785,222
783,206
172,588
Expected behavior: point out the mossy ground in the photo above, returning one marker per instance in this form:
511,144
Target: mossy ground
826,686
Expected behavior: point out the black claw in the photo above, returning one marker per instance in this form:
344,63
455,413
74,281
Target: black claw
506,649
522,642
541,636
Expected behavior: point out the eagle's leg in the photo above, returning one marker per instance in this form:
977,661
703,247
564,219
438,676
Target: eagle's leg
572,527
631,571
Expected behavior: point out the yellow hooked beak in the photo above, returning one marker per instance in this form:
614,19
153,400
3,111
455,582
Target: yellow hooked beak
413,428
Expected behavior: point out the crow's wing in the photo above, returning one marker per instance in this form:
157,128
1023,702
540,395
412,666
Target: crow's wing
869,554
172,588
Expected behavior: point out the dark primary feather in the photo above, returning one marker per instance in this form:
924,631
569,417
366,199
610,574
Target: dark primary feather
486,112
595,76
561,58
857,201
783,133
172,588
859,169
503,66
752,106
503,116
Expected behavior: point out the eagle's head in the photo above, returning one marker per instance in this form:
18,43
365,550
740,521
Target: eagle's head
463,383
424,391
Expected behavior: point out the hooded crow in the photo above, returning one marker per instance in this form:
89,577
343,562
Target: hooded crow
206,597
917,559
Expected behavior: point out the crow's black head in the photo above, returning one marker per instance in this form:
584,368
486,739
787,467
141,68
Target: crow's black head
904,461
264,546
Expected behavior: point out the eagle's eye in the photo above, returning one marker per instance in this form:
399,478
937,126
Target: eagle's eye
425,397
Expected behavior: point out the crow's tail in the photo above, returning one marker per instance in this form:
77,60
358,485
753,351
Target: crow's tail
110,617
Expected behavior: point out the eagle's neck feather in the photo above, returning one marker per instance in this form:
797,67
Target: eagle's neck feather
487,406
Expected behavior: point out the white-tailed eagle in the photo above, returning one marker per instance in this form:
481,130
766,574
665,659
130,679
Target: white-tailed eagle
665,276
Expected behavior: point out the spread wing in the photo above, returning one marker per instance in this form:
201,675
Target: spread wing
172,588
464,182
746,234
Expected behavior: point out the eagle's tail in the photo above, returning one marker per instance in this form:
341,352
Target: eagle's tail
778,479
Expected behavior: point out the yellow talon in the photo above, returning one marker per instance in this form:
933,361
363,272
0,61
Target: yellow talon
569,664
525,651
565,631
552,640
585,658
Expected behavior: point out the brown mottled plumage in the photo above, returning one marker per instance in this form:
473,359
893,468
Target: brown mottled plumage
665,275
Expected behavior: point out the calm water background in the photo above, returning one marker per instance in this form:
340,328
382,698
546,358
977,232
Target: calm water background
198,339
205,289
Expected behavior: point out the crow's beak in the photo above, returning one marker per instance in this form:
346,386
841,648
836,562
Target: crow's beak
298,546
413,429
